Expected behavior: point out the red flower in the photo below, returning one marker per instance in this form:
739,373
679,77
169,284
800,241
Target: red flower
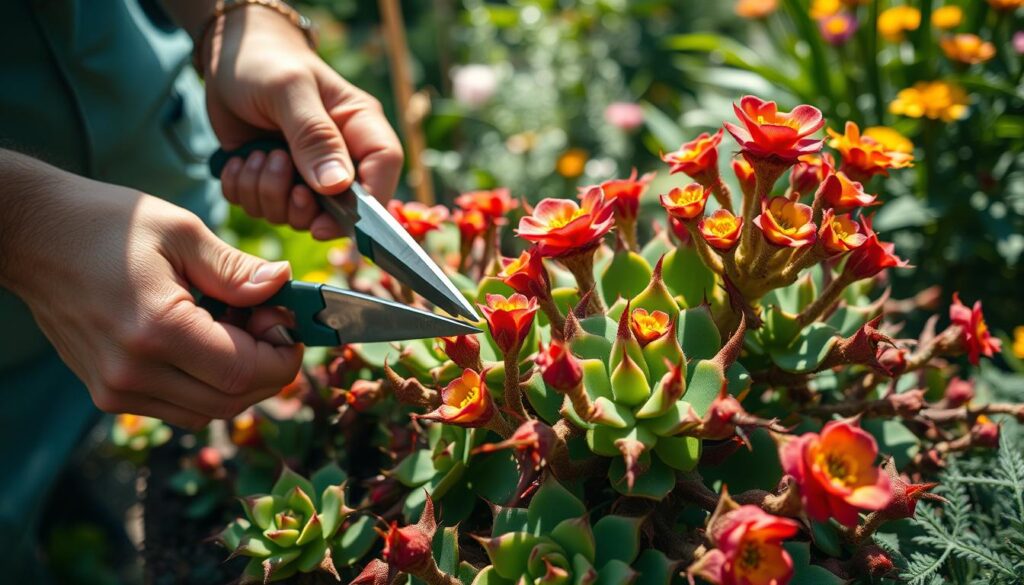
465,402
872,256
417,218
624,194
839,192
839,233
526,274
985,433
721,229
745,174
809,172
697,158
559,368
464,350
959,392
209,460
471,223
975,336
686,203
769,133
509,319
648,326
749,549
864,156
532,444
836,472
787,223
560,227
494,204
409,548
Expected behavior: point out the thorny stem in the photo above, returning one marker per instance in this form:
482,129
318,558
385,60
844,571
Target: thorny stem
554,315
938,344
707,255
825,301
721,192
873,522
490,247
766,174
513,393
500,425
581,265
432,575
562,466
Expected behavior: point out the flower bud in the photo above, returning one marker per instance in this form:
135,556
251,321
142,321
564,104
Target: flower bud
959,392
209,460
558,367
985,433
464,350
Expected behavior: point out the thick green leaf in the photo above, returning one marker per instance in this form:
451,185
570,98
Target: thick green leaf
448,559
489,576
353,542
804,573
416,469
544,400
654,568
704,385
626,275
288,480
893,439
493,477
618,538
326,476
654,482
807,350
686,276
510,553
616,573
698,333
551,505
510,520
682,453
576,537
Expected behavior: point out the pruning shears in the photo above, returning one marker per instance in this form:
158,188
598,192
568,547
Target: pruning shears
329,316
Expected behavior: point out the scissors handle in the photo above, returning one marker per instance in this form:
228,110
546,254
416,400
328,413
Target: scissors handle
341,208
304,299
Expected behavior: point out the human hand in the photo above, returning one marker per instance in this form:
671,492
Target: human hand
262,78
108,283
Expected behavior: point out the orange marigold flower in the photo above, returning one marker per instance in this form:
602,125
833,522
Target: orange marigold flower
836,472
648,326
471,223
721,229
1018,341
895,22
809,172
623,194
975,336
756,9
417,218
787,223
1005,5
947,17
509,319
749,549
967,48
937,100
871,257
769,133
840,233
890,139
465,402
493,204
687,202
865,155
838,28
821,9
560,226
697,158
842,194
572,163
526,274
744,174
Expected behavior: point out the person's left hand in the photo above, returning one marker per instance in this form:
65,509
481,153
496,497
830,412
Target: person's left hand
262,78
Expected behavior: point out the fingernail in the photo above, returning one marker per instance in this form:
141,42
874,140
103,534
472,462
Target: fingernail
233,165
330,173
277,335
269,271
321,233
255,160
278,161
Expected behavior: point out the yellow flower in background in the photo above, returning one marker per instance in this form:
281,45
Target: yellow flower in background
947,17
321,276
1006,4
890,139
1018,341
755,9
936,100
822,9
572,163
967,48
895,22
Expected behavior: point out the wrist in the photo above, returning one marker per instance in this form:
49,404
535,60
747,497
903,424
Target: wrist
229,20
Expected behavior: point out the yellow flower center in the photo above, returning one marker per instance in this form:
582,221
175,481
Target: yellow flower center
750,556
720,227
648,324
463,395
557,222
841,471
778,121
788,216
506,305
687,196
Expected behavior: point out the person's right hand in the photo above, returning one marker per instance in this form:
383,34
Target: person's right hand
107,273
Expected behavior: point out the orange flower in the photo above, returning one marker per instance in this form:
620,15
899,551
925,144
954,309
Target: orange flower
836,472
895,22
749,549
245,430
697,158
871,257
890,139
756,9
624,194
648,326
967,48
809,172
947,17
721,229
839,233
572,163
975,336
465,402
744,174
686,203
822,9
936,100
842,194
1018,341
769,133
509,320
1005,5
417,218
526,274
865,156
560,227
787,223
471,223
493,204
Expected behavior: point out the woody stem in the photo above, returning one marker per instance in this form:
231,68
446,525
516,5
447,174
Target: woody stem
825,301
432,575
766,174
581,265
554,315
513,393
721,192
707,256
500,425
490,246
627,233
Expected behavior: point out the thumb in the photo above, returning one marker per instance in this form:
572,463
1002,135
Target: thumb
232,276
317,146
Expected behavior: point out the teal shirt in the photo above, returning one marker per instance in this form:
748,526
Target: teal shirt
101,88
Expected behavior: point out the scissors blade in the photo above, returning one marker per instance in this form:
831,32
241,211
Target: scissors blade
384,241
360,318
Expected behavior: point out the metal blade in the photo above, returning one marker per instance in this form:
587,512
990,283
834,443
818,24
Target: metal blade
384,241
360,318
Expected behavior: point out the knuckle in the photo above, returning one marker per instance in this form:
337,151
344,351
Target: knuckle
120,375
142,337
315,132
106,401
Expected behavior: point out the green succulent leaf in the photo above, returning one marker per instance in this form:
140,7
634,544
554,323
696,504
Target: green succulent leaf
232,534
625,276
601,439
353,542
826,537
656,297
654,568
686,276
703,386
594,341
595,378
311,556
672,421
681,453
299,500
332,514
654,482
327,475
551,505
629,383
577,538
448,559
509,519
698,333
618,539
544,400
256,545
493,477
311,531
490,576
510,553
260,509
807,350
416,469
611,414
288,481
282,538
804,573
616,572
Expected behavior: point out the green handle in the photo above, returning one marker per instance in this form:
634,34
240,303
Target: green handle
304,299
